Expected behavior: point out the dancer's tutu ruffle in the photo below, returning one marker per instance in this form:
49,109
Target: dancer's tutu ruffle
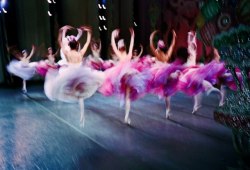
143,63
192,78
22,69
98,63
165,79
123,76
69,83
228,80
136,81
43,67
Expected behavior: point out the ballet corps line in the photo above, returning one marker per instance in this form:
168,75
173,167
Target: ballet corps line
128,75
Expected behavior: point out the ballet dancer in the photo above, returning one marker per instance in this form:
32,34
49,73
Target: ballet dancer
73,82
64,41
196,79
159,51
22,67
44,65
135,54
163,57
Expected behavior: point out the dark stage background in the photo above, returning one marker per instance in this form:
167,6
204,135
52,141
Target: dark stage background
27,22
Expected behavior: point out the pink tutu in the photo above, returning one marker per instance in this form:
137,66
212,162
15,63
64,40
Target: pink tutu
165,79
69,83
43,66
192,78
21,69
98,64
123,76
228,80
145,62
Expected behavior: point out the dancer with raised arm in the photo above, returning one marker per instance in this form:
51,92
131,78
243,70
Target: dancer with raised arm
135,54
64,41
49,62
123,79
161,47
124,57
94,59
22,67
163,85
196,79
73,82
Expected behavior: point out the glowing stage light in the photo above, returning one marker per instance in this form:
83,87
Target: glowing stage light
135,24
100,17
100,28
100,7
49,1
3,3
104,27
103,18
49,13
103,6
54,1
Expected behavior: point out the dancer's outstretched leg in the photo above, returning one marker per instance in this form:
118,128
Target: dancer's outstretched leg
24,89
168,107
197,102
209,87
82,118
127,106
222,95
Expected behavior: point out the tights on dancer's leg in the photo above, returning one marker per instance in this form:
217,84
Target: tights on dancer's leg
167,102
82,118
127,106
24,87
223,95
197,102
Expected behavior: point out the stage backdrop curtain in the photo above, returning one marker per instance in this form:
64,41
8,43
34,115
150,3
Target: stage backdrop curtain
4,59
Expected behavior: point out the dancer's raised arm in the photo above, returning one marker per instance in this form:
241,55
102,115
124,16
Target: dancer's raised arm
100,47
31,53
171,48
62,34
114,35
141,51
89,34
132,39
79,34
151,41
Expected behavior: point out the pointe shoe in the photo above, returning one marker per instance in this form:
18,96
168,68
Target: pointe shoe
221,103
127,121
82,122
167,113
195,109
24,91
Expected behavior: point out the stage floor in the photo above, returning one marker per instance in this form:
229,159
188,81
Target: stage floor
36,133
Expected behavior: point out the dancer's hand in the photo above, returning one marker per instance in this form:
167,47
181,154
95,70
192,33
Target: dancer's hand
86,28
79,30
33,47
174,34
115,33
66,27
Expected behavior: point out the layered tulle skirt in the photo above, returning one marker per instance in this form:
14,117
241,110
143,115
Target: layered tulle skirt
72,82
21,69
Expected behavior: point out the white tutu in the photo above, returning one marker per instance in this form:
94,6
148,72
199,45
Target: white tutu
72,82
21,69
